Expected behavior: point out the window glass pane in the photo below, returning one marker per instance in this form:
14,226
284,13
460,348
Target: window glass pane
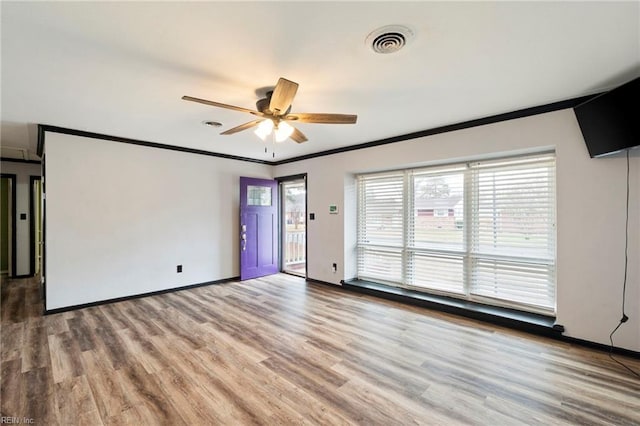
438,211
258,195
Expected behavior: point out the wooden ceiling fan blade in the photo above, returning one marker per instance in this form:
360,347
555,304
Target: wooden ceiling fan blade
282,96
220,105
311,117
242,127
298,136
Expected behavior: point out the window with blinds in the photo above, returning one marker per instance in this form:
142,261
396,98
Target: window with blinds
482,231
381,228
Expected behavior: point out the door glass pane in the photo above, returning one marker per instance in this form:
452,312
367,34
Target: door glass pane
258,195
295,233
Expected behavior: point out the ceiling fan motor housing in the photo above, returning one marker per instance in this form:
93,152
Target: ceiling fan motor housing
262,105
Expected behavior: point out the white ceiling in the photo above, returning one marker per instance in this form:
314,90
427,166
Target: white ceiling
121,68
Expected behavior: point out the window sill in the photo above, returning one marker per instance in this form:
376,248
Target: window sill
512,318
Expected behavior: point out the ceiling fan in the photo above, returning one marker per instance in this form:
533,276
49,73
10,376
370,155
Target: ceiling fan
273,111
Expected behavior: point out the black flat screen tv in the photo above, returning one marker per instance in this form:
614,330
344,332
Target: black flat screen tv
610,122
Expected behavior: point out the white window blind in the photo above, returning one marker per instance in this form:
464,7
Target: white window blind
381,226
442,273
381,209
482,231
513,230
435,232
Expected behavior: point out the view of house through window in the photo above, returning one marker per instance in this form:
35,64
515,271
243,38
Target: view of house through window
482,231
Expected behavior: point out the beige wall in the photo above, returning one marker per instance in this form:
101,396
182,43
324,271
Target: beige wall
121,217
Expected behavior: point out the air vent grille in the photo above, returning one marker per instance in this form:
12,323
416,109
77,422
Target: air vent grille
389,39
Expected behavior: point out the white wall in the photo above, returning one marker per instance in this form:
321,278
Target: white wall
121,217
590,214
23,172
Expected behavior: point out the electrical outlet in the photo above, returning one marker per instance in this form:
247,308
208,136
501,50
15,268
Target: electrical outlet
334,268
179,268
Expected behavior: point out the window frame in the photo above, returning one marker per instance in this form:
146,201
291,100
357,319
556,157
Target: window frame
471,258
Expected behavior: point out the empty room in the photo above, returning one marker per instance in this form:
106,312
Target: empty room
293,212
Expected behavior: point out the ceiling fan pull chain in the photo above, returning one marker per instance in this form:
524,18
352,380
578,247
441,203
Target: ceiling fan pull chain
273,141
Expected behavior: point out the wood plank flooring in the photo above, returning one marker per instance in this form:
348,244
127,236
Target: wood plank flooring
280,351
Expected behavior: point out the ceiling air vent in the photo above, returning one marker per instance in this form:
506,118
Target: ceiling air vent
212,123
389,39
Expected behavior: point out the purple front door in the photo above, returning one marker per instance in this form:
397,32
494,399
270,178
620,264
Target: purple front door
258,228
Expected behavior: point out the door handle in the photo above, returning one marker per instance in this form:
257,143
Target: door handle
243,237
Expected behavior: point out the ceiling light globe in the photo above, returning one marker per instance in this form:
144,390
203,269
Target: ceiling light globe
283,131
264,129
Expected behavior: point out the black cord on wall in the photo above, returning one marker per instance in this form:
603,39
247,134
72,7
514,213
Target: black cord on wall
624,318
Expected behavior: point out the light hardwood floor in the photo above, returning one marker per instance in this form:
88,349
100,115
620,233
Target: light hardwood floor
280,351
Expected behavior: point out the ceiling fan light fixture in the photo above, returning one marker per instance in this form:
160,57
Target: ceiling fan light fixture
264,129
271,113
283,131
